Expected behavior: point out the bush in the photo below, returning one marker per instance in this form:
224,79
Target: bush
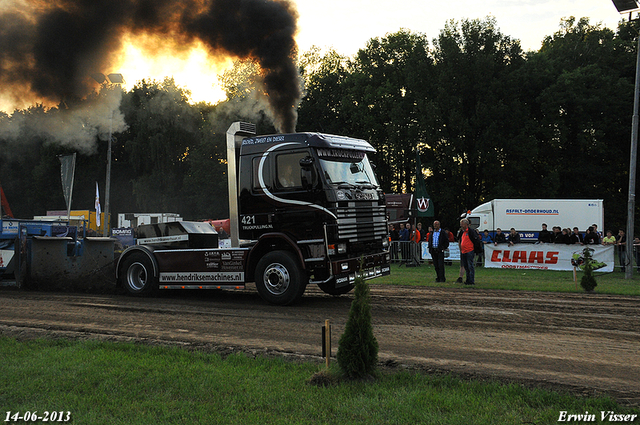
358,348
588,282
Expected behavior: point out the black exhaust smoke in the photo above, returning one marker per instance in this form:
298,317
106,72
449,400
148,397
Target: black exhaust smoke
50,47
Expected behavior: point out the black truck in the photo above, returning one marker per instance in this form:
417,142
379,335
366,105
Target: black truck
304,208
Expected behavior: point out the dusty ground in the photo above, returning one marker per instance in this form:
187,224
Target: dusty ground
586,343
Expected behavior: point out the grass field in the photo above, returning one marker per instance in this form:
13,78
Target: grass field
115,383
507,279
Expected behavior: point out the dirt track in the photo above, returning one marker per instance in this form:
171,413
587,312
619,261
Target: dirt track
588,343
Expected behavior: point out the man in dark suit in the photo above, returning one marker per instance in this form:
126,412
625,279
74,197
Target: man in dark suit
438,242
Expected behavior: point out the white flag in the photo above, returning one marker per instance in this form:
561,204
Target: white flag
97,207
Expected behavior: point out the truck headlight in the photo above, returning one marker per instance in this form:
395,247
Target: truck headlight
342,248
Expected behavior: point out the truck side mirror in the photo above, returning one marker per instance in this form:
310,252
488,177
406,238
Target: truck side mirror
307,161
307,172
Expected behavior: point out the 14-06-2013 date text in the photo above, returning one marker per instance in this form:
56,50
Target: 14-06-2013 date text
46,416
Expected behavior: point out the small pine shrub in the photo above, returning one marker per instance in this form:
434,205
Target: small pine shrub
588,281
358,348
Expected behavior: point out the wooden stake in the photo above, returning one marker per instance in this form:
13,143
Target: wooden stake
327,339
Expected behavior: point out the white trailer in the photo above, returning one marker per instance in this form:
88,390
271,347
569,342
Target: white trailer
527,215
138,219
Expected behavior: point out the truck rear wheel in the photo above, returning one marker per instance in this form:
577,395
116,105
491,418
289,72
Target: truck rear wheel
279,278
137,276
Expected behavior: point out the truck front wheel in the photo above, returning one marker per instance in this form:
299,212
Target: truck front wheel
279,279
137,276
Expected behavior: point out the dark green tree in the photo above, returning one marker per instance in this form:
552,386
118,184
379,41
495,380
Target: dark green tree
480,123
29,187
358,348
389,103
322,107
588,281
163,129
579,88
31,140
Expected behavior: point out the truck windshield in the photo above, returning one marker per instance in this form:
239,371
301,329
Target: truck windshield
357,173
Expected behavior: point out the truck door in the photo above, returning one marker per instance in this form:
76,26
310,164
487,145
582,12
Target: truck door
292,183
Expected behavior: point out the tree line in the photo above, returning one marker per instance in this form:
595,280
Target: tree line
488,120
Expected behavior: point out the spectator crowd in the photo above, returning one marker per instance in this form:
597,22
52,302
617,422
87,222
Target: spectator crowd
403,251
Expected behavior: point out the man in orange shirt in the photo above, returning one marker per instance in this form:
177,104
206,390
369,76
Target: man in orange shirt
415,234
468,241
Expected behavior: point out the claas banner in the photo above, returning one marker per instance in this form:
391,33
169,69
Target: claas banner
547,257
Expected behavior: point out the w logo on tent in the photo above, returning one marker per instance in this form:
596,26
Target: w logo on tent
422,204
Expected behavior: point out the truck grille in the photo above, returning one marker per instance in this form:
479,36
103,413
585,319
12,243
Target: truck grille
362,221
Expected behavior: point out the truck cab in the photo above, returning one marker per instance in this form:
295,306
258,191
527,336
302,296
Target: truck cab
317,197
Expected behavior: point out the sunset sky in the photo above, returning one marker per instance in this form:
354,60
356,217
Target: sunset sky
348,25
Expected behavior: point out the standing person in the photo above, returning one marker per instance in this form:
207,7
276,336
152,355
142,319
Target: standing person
429,231
597,236
404,240
407,246
599,233
415,234
556,236
591,237
468,241
486,239
500,237
452,238
544,236
461,274
438,242
414,247
576,237
609,239
514,237
423,233
394,235
222,234
636,248
622,249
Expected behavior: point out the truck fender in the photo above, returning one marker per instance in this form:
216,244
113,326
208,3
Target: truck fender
265,242
146,250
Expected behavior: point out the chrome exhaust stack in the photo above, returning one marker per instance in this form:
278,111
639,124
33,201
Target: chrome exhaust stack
235,134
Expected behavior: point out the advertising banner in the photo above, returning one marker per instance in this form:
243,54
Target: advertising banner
124,235
454,252
5,257
67,173
424,205
546,257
